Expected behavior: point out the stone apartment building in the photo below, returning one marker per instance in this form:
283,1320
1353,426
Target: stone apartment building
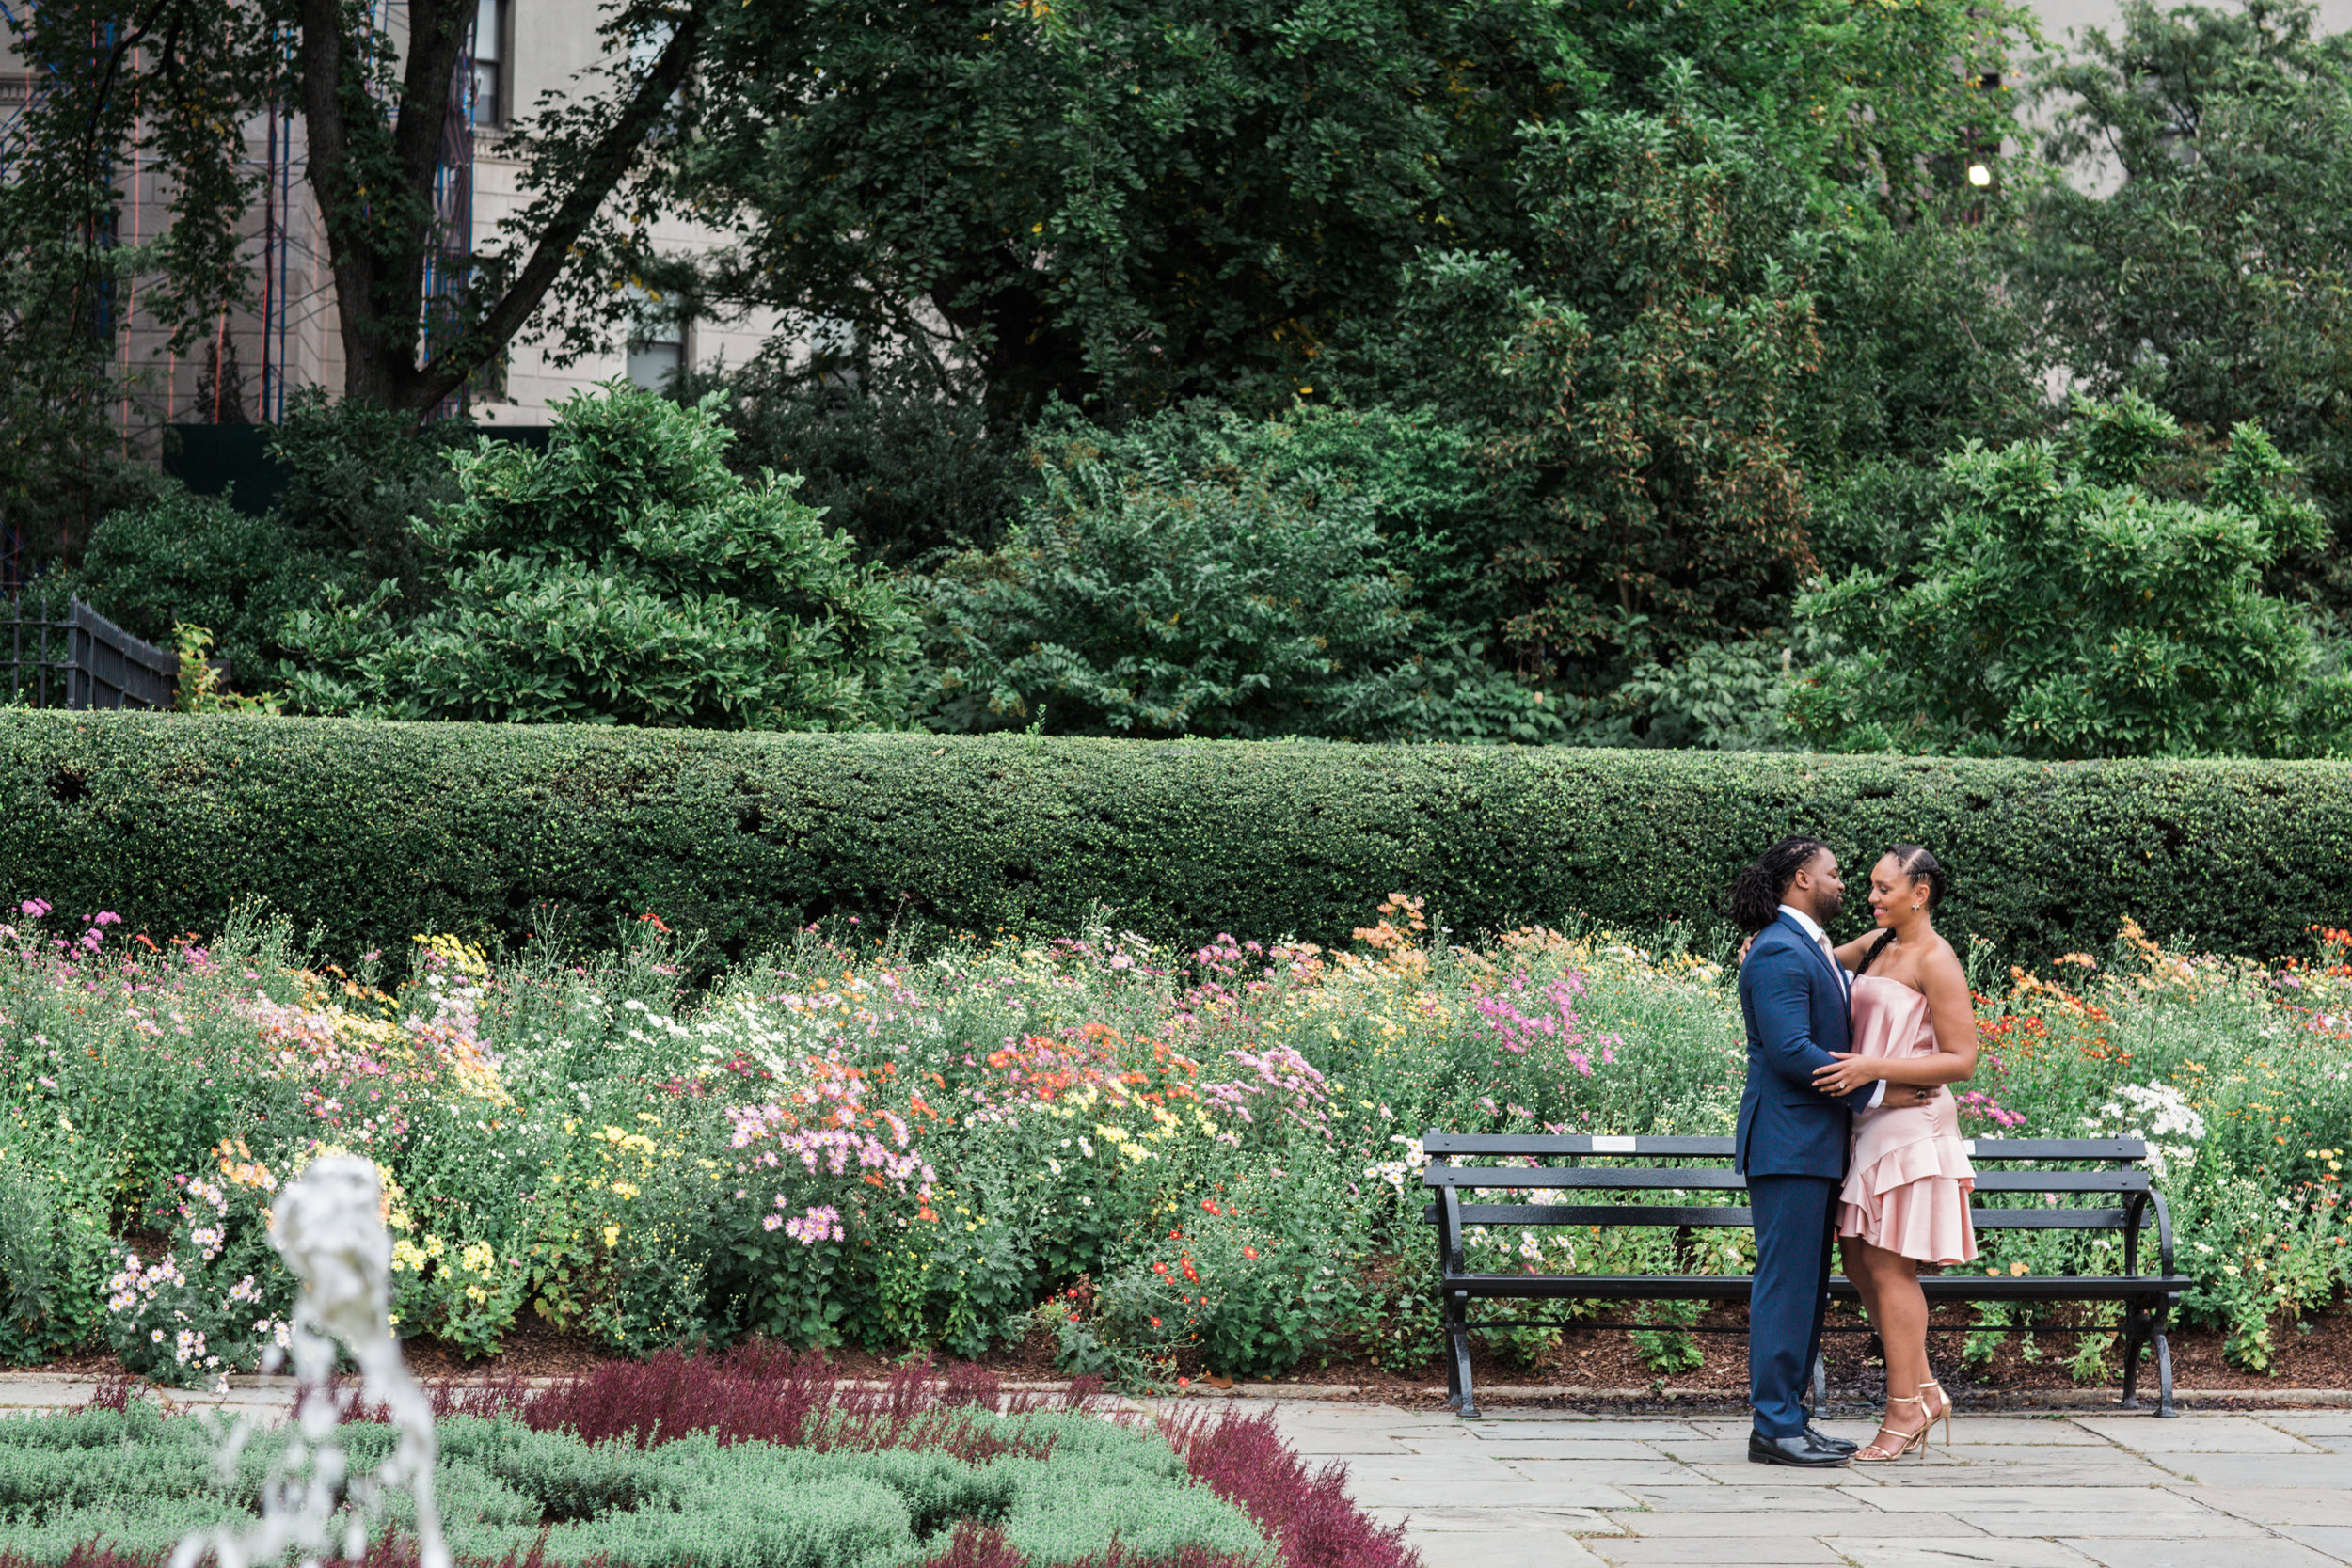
288,341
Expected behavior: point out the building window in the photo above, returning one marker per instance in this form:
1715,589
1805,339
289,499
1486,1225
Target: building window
489,62
657,350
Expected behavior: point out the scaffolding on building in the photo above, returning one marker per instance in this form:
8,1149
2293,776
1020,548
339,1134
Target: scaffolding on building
293,288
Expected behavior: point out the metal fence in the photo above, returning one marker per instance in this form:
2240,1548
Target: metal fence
80,659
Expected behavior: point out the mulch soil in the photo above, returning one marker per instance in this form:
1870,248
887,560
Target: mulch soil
2317,1355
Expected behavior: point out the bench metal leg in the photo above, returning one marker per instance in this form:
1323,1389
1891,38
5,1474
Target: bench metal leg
1458,1358
2164,1377
2134,1338
1820,1385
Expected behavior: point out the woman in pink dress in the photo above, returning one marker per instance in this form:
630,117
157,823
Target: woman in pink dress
1905,1200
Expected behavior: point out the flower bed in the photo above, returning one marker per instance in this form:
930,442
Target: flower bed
1169,1162
757,1460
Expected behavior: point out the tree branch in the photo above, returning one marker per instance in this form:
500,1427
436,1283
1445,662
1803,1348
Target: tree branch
607,163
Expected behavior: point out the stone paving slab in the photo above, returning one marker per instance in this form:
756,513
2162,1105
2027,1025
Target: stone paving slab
1505,1549
2247,1469
1966,1553
2200,1554
2206,1434
1829,1525
2277,1505
1601,1450
2329,1541
2078,1525
1678,1550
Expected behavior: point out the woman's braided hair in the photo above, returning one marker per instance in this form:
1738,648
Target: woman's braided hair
1755,891
1920,866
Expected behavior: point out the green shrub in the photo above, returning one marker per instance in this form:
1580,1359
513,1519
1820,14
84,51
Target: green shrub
50,1257
195,559
376,831
623,575
2064,610
1159,603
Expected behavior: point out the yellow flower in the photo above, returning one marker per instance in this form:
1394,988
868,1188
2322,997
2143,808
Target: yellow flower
612,1235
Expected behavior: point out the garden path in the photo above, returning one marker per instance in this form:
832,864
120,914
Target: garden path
1520,1489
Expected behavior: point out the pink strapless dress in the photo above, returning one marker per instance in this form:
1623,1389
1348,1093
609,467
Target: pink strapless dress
1908,1183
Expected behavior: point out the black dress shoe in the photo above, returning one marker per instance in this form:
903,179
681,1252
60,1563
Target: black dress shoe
1800,1450
1843,1444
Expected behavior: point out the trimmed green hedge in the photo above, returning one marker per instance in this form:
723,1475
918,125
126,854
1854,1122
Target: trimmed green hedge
377,831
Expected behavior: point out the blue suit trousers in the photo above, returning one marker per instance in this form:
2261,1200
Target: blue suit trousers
1795,1217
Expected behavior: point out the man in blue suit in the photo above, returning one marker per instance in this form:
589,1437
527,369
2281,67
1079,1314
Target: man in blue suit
1793,1140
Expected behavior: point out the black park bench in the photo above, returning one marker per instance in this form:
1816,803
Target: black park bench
2103,1170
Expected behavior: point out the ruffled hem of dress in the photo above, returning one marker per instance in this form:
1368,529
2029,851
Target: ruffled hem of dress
1913,1201
1921,1159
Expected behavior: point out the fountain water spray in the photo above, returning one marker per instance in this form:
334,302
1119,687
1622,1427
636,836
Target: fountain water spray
328,1226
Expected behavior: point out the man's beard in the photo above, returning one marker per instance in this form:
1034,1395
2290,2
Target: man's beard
1828,905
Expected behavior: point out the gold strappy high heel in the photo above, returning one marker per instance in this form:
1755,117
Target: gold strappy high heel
1943,1415
1917,1439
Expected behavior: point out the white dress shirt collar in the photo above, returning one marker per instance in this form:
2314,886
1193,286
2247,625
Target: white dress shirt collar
1804,922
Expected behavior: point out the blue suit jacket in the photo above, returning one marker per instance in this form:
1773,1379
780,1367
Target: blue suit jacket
1795,1006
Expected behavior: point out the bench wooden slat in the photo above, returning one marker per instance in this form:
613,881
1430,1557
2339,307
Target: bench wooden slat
1617,1216
1703,1178
1734,1286
1474,1144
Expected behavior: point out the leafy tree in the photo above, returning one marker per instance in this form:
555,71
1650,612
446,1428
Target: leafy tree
1128,204
623,576
1632,382
176,82
357,475
1166,598
1926,345
904,470
2064,611
2215,278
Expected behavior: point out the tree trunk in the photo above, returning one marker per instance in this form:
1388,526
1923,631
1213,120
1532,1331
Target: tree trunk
374,188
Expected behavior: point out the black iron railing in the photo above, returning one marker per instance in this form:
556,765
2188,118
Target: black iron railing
80,659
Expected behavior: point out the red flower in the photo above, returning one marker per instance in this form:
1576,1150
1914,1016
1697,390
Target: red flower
1156,1322
1251,1253
1159,1268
